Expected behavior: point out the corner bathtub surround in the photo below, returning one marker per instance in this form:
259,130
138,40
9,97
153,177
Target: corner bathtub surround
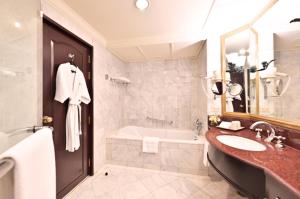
165,91
184,156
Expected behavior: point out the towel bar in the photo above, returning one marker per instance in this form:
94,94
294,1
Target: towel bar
28,129
159,120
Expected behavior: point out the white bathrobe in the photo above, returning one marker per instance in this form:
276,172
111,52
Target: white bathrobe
71,85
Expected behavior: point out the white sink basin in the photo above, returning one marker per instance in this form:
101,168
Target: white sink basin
241,143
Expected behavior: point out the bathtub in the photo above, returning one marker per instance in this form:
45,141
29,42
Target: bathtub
178,150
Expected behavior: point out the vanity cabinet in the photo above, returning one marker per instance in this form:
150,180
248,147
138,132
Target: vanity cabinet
276,190
248,180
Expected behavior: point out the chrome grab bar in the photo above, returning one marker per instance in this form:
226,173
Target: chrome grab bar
6,164
159,120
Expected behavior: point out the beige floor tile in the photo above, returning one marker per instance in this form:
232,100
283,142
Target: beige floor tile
185,187
138,183
168,192
133,191
153,182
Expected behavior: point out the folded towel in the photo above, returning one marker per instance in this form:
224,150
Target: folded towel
34,171
205,150
150,144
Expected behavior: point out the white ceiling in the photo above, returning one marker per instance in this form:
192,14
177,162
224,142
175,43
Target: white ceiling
168,29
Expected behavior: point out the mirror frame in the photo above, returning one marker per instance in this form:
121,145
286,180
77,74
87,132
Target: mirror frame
251,116
223,70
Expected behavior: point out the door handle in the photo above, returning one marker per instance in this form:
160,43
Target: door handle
47,119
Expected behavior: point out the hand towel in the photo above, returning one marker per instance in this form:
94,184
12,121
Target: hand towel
34,171
205,150
150,144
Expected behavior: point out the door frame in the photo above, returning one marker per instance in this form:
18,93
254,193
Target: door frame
90,86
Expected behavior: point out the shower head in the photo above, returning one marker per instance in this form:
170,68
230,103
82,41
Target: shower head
295,20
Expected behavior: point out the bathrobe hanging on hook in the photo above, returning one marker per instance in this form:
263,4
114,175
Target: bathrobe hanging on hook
70,84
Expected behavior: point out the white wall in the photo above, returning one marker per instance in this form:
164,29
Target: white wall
213,64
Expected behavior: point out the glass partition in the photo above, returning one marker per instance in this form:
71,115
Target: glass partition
20,77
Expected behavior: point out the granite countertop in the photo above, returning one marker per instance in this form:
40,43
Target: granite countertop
282,164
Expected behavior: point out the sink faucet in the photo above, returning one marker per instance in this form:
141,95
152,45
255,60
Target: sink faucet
271,131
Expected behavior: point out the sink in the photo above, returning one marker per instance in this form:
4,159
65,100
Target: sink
241,143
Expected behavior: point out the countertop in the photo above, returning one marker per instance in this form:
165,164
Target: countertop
282,164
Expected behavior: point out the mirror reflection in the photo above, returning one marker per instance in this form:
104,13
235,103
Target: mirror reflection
218,88
239,56
279,40
235,89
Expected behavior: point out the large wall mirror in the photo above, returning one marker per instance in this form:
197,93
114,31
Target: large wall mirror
264,58
239,55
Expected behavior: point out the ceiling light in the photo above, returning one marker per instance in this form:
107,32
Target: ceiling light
17,24
142,4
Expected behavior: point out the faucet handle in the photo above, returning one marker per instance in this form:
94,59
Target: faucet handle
258,132
279,138
279,144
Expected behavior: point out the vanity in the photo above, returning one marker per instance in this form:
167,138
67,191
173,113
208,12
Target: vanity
267,173
259,81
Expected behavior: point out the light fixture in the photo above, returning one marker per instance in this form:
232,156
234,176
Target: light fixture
242,51
17,24
142,4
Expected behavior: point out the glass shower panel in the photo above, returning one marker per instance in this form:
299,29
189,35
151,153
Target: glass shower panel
20,74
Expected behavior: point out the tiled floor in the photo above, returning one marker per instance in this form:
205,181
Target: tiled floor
135,183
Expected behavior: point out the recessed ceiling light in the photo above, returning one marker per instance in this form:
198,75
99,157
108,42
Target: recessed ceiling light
142,4
17,24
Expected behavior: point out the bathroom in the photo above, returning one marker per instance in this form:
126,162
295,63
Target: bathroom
183,99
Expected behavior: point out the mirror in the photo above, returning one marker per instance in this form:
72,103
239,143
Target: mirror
239,58
235,89
279,39
218,88
262,62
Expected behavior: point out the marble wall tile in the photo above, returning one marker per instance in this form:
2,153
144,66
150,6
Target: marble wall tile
165,90
175,157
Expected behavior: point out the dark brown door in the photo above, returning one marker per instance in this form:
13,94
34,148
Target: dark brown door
71,167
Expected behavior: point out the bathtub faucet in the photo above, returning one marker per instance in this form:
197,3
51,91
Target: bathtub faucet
198,124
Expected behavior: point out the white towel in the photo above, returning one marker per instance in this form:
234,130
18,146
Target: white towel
150,144
205,150
34,172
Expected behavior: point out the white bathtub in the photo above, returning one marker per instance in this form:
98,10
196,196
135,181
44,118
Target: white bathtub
178,150
166,135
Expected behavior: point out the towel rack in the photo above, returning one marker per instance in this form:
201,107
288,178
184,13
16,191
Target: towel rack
6,165
159,120
32,129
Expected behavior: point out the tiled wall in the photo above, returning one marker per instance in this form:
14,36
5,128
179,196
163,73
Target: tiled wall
108,103
175,157
165,90
168,90
287,106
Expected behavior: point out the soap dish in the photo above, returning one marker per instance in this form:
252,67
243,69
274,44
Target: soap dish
231,129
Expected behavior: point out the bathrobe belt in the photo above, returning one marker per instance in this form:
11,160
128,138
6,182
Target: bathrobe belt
71,103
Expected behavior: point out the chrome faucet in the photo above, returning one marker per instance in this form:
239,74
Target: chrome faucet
271,131
198,124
